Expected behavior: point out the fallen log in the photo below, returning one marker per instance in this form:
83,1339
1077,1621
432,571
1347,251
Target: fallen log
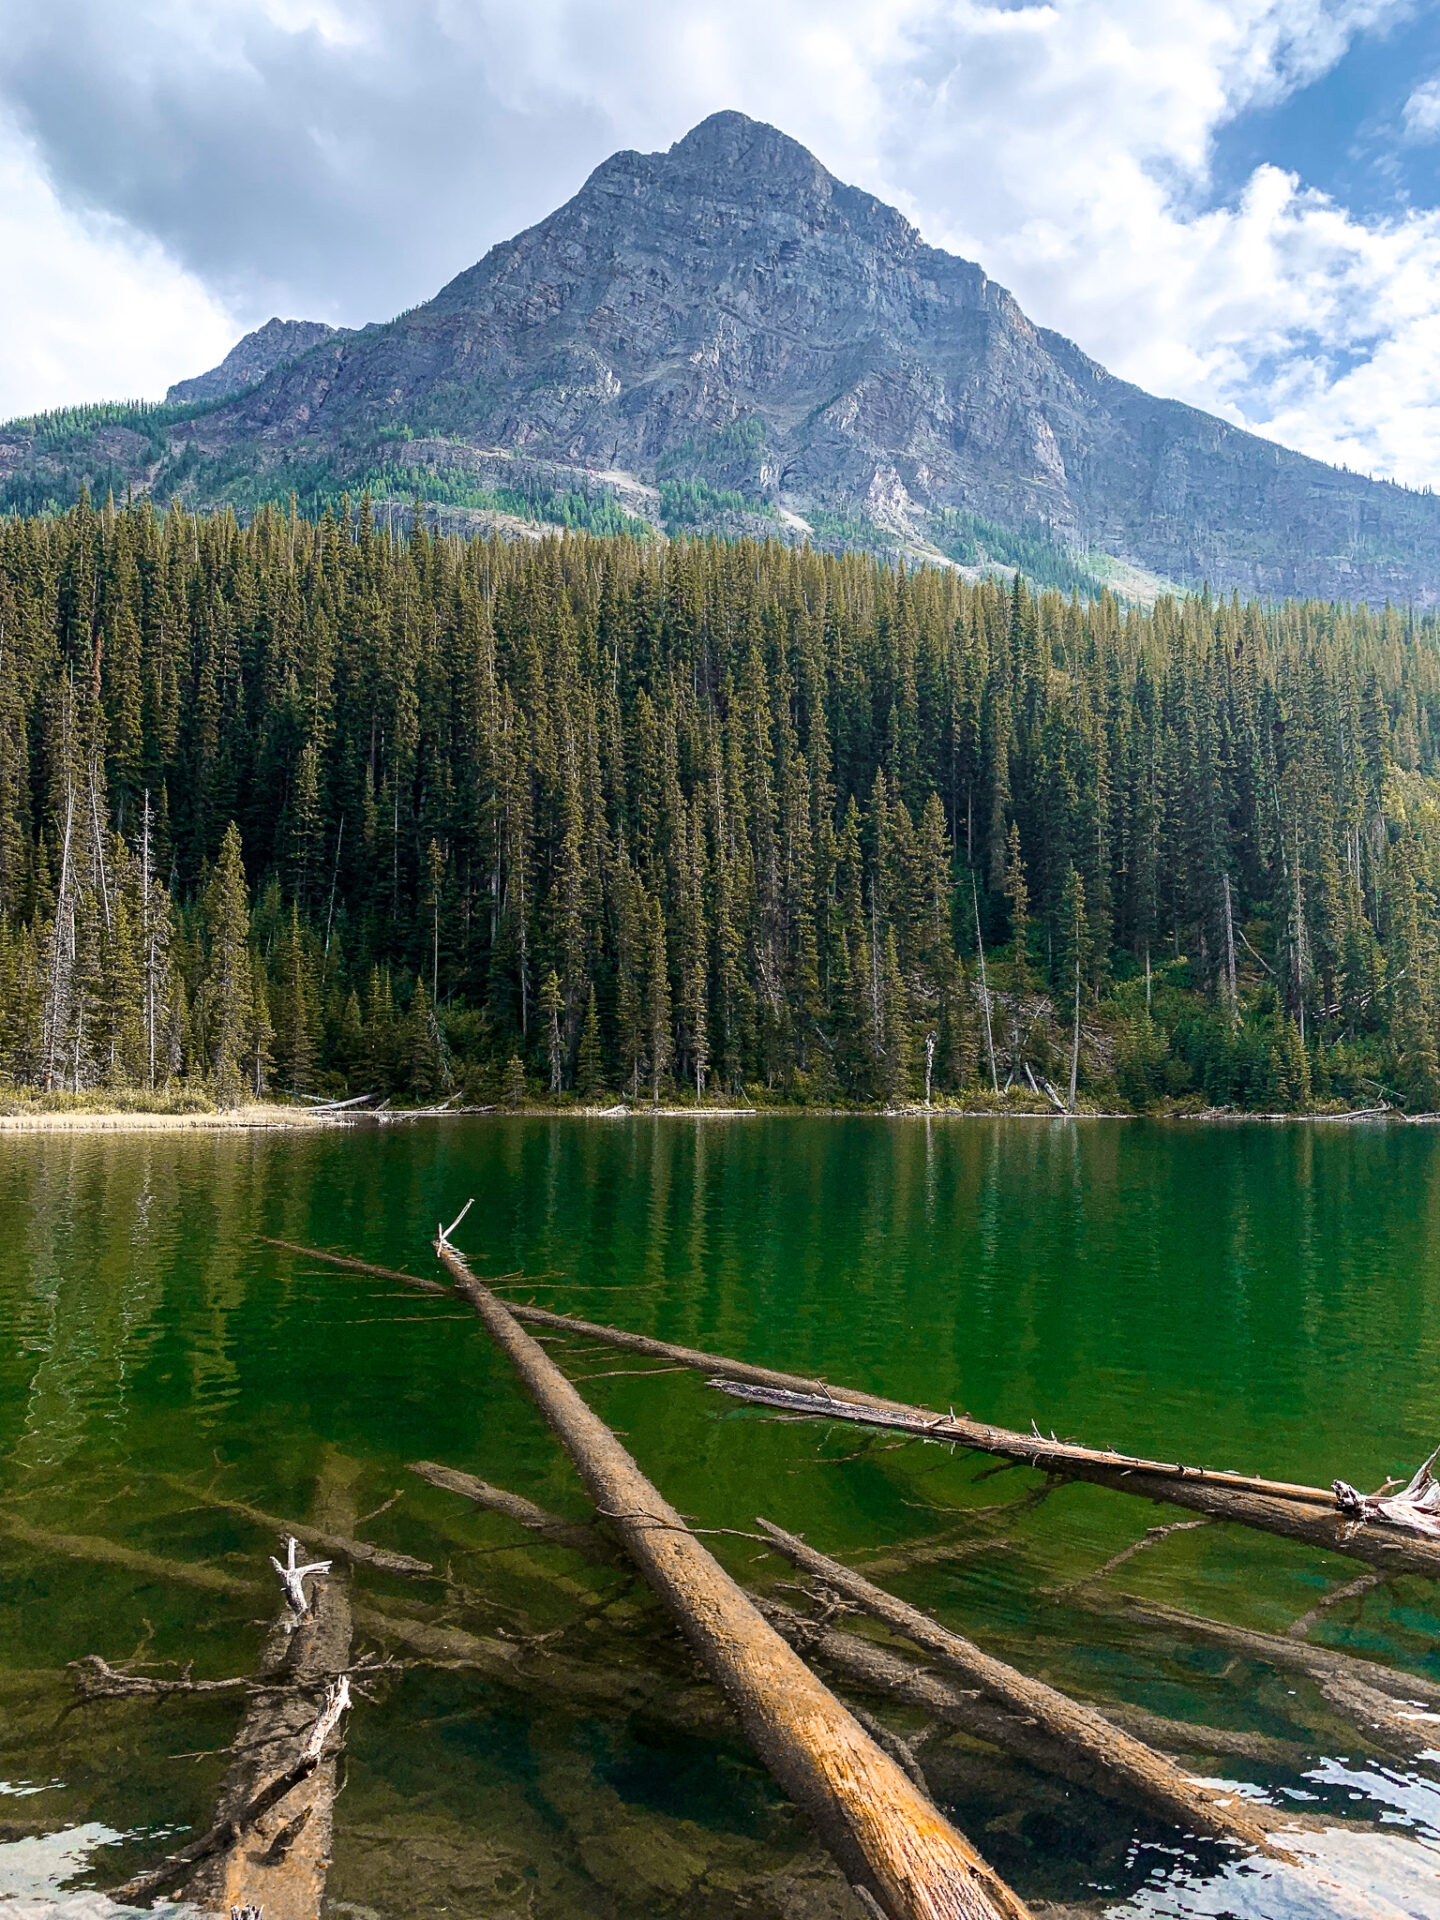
357,1552
856,1659
886,1836
530,1669
354,1266
887,1675
226,1834
279,1856
1390,1548
1288,1508
1075,1740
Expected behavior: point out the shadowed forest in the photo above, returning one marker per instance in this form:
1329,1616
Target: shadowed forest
307,807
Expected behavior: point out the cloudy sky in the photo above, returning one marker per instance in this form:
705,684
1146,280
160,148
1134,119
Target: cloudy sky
1236,202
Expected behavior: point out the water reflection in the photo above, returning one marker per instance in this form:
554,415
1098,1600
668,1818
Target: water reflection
1255,1296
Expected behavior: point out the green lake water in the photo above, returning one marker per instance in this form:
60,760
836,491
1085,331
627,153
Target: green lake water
1256,1296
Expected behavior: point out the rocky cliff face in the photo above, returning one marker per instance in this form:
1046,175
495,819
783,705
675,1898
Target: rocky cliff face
730,317
252,358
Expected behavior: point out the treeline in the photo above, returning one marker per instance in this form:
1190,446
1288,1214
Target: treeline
309,807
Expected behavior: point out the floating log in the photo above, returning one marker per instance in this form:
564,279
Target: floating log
1288,1508
1220,1498
885,1834
1076,1741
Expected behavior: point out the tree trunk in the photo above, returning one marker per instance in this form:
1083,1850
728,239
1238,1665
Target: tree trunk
885,1835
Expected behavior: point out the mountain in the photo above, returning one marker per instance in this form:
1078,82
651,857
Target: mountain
724,337
252,358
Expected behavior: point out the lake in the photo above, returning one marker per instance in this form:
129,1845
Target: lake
1255,1296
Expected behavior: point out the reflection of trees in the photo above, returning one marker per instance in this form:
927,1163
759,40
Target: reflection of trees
82,1268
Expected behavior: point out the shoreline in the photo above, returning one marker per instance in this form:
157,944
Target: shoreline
268,1118
256,1118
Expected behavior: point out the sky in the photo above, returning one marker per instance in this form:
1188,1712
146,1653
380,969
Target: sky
1231,202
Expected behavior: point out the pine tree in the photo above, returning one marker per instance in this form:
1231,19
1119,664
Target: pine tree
1018,894
657,1001
552,1002
224,1004
590,1066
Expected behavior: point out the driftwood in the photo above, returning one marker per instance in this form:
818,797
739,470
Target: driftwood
1415,1507
1034,1719
886,1835
96,1679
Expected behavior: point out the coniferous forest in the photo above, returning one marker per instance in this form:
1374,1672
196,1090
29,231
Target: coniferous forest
306,807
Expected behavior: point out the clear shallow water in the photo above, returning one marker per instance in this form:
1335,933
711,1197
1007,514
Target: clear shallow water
1254,1296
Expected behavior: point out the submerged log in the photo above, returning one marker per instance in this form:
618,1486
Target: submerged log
549,1527
885,1834
1036,1720
1397,1711
888,1675
357,1552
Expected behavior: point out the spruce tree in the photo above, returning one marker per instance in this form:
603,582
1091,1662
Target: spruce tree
224,1003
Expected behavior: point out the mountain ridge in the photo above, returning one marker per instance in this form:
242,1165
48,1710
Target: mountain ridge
727,326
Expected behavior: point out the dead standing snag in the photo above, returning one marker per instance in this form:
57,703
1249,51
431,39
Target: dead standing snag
887,1837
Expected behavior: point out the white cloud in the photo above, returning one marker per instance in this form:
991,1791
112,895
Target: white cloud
1422,111
93,311
342,162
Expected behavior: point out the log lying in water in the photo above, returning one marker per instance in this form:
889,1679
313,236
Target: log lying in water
1284,1507
357,1552
279,1859
889,1676
885,1834
886,1674
1389,1548
1042,1724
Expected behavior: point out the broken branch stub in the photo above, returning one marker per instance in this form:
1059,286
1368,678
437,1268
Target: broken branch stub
293,1578
885,1834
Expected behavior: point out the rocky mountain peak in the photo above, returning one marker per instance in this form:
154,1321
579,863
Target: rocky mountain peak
737,339
252,358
